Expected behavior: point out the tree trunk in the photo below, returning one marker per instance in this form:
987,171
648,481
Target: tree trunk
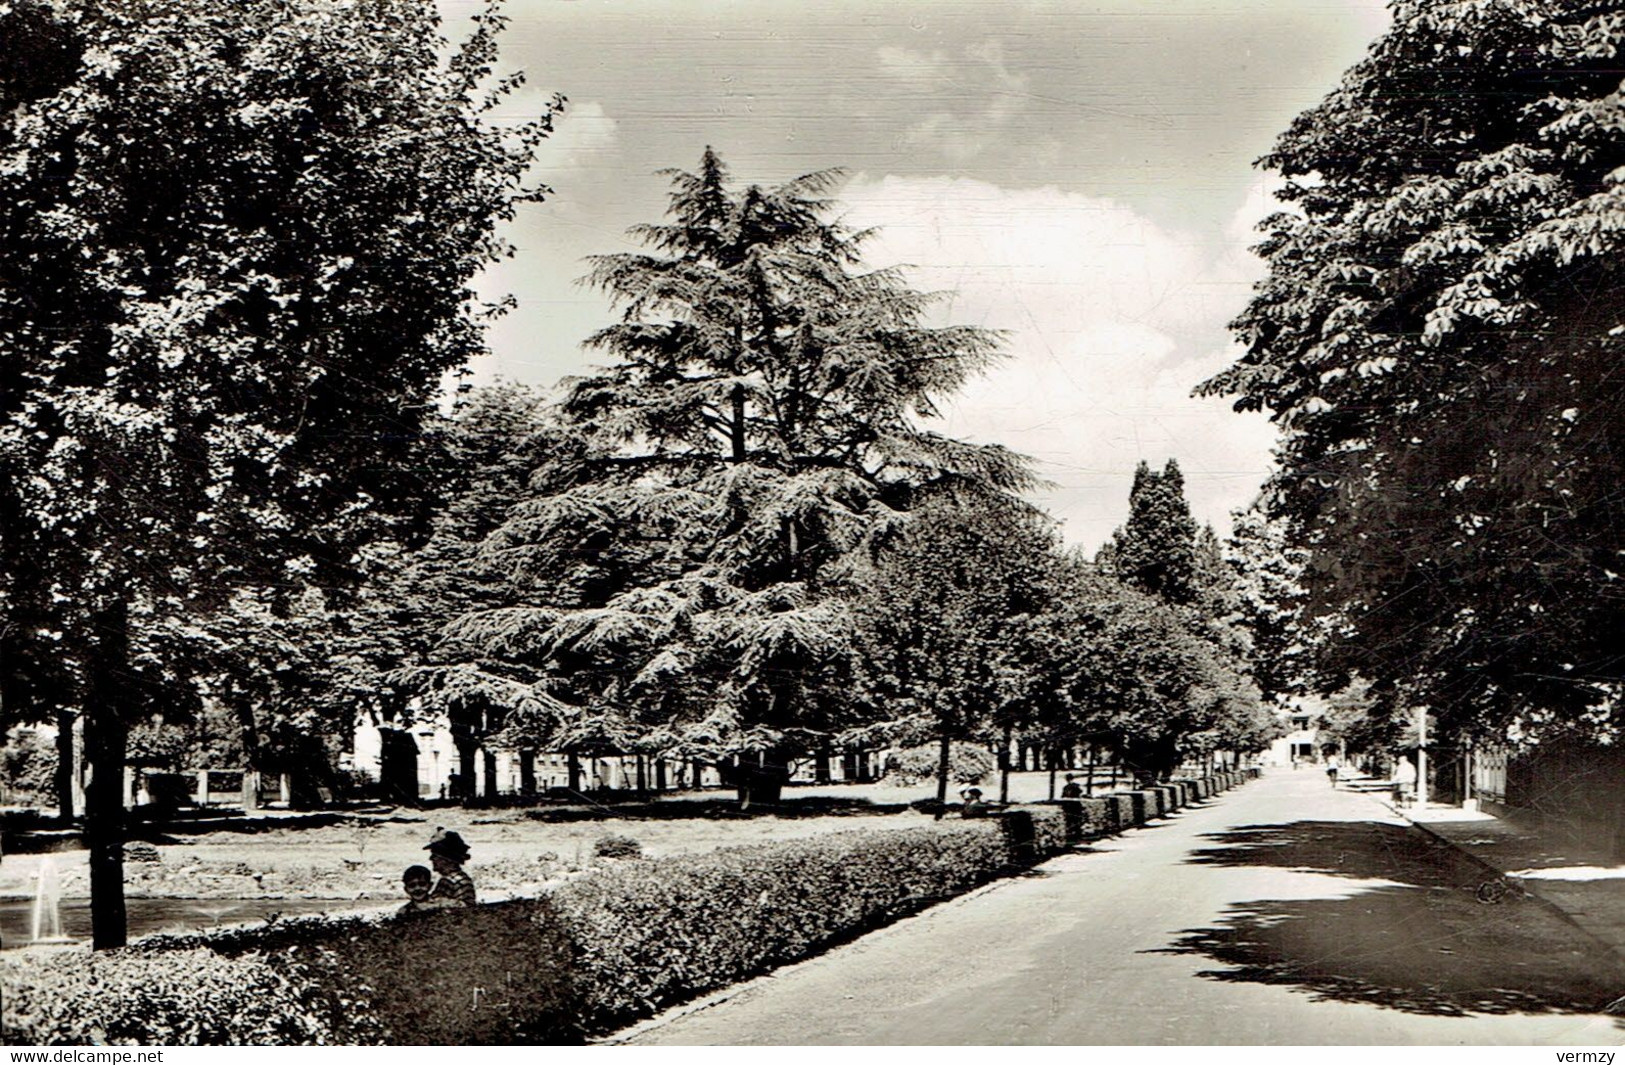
1089,781
643,776
821,765
943,755
1053,760
465,768
573,770
106,739
761,780
737,427
1004,764
65,759
527,773
490,773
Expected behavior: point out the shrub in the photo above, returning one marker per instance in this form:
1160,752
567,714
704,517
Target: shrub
967,764
649,934
613,846
176,997
1033,832
492,974
1088,818
27,768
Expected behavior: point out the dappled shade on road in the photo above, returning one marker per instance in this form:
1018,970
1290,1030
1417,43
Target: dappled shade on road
1412,937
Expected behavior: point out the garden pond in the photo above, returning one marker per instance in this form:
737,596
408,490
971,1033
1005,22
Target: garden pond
146,916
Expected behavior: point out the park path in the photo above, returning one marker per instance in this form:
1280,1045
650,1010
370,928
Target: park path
1279,913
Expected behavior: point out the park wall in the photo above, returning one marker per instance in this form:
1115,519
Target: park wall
608,947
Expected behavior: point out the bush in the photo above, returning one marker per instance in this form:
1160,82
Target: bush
1087,818
967,764
176,997
613,846
27,768
649,934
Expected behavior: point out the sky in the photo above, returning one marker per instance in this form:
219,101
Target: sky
1078,173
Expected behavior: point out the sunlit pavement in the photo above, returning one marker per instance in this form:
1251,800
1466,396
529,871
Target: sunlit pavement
1281,912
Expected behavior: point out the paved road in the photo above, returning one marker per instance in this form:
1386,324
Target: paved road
1280,913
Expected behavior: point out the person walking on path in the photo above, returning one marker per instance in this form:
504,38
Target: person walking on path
1333,767
1404,781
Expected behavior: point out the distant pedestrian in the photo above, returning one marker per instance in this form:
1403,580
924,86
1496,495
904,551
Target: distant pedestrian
1405,781
1073,789
1332,769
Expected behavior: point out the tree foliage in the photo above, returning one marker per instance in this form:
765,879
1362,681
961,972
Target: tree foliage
237,247
1156,550
1132,674
1267,571
1438,337
940,615
756,430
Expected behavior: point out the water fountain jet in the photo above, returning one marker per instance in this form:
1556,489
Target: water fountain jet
47,920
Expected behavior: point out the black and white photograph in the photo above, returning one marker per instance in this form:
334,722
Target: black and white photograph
889,523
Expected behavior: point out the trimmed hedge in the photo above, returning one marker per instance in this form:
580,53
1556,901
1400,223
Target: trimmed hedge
179,997
655,933
598,951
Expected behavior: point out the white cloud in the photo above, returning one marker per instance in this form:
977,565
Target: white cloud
584,137
922,71
985,95
1112,320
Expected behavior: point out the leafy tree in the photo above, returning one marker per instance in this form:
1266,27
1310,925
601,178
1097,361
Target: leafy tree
1438,337
938,623
755,430
27,767
237,245
1155,550
1359,720
1128,672
1268,572
493,441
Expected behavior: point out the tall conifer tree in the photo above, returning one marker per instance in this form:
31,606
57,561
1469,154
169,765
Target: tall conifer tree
757,426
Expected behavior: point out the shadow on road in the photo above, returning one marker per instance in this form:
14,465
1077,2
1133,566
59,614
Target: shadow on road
1413,938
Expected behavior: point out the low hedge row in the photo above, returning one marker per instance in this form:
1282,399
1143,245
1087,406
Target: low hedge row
598,951
182,997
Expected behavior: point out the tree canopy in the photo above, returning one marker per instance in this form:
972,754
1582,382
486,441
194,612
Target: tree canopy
756,429
1438,337
237,247
1155,549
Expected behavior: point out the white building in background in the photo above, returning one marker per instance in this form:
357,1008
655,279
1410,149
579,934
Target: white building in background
1301,743
425,753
